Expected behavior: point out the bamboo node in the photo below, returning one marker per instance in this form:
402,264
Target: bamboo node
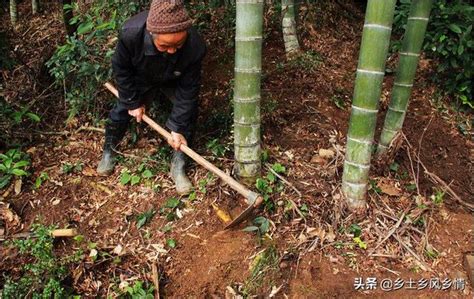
418,19
378,26
360,141
380,73
364,109
410,54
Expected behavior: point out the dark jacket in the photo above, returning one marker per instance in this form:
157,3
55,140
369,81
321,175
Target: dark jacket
138,67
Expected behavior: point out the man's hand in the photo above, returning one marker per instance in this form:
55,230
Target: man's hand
137,113
176,140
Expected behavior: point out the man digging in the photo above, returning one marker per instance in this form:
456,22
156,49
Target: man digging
158,54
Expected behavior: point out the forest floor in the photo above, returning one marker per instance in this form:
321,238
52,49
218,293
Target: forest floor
314,247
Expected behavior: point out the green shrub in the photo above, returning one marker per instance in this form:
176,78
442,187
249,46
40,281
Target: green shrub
42,277
83,63
449,40
12,164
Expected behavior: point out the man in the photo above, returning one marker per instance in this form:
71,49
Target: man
158,52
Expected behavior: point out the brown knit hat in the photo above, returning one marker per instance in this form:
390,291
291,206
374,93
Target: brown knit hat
167,16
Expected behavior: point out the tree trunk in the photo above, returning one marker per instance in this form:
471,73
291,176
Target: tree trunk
409,56
68,14
289,27
248,56
35,6
13,13
367,90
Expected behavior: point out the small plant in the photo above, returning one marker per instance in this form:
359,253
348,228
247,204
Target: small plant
41,179
374,187
162,159
171,243
338,101
438,197
43,277
394,167
355,230
139,290
169,209
261,225
263,267
269,184
216,148
12,164
127,178
72,168
360,243
145,217
307,60
202,183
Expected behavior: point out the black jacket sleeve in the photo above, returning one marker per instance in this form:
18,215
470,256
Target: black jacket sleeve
185,107
124,74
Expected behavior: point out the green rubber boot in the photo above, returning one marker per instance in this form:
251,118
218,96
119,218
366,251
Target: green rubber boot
182,183
114,132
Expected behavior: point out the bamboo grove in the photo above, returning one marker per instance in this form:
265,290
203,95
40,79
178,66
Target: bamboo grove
370,73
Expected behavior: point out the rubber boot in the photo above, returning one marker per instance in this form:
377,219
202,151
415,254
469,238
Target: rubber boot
182,183
114,132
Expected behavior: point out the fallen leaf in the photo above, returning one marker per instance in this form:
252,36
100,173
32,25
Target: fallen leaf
290,155
388,188
10,217
87,171
160,248
18,184
118,249
330,236
316,159
326,153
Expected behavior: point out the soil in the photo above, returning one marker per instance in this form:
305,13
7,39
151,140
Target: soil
317,254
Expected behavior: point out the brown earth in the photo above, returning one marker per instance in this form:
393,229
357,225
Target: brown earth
317,256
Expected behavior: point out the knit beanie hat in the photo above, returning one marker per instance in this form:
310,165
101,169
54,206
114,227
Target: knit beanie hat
167,16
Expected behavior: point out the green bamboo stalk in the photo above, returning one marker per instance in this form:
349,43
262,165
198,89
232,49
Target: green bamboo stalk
289,27
35,6
13,13
367,90
248,56
409,56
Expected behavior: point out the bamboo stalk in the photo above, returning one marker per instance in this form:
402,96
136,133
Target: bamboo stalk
248,55
35,6
289,27
13,13
367,90
409,57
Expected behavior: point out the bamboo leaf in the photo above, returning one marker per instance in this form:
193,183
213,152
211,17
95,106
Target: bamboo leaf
455,28
85,28
250,229
33,117
21,164
19,172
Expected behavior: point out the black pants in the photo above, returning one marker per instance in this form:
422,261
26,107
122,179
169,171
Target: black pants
120,114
